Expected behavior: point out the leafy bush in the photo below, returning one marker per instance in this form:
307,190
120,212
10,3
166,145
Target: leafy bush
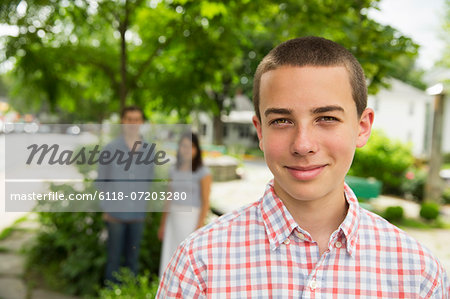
429,210
385,160
446,158
130,287
69,254
446,196
414,184
70,251
394,214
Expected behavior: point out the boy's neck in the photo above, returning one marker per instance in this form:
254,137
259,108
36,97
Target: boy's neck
319,217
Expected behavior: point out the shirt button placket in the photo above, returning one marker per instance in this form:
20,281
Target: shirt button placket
313,284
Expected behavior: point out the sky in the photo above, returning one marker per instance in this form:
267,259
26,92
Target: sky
419,19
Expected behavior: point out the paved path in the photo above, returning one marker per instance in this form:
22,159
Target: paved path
13,284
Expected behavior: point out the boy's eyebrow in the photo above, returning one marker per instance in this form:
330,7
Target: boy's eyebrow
325,109
277,111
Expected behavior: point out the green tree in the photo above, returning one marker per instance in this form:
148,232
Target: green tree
90,58
445,60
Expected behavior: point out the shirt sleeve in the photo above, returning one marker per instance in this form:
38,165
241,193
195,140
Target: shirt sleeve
435,283
179,279
203,171
443,289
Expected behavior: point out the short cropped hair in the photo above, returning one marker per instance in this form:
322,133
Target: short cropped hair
129,109
313,51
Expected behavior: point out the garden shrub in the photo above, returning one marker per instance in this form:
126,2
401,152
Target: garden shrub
394,214
446,158
131,287
429,210
69,254
414,184
385,160
446,196
70,251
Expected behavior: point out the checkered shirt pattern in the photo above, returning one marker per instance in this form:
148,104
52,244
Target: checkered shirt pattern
259,251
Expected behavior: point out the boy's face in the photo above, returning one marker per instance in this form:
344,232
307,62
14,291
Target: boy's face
309,130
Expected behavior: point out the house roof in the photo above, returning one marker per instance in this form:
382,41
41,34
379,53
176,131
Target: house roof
240,117
401,90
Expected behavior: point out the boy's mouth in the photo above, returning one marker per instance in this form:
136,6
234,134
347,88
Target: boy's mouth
305,173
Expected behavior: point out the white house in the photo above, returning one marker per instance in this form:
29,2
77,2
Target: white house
446,126
238,129
404,113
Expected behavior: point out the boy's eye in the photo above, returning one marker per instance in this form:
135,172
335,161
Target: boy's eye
280,121
328,119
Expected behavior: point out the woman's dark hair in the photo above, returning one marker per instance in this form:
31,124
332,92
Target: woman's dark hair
197,160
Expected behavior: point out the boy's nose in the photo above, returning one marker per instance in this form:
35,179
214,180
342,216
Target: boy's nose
303,142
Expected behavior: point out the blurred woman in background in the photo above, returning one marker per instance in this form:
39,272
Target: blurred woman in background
191,176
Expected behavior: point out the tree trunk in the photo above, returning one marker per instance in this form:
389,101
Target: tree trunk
123,88
219,99
433,188
217,130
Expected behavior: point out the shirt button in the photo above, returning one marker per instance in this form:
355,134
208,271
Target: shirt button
313,284
301,236
287,241
338,244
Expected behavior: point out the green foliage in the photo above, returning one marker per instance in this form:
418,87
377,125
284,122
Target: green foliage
394,214
257,152
445,59
413,184
429,210
385,160
86,58
446,158
446,196
6,233
130,287
69,253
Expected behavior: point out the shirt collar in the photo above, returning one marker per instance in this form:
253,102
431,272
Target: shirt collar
351,222
279,223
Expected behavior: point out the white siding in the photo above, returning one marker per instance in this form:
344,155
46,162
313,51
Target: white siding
446,127
401,113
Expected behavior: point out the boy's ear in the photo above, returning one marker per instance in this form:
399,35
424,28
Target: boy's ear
257,124
365,127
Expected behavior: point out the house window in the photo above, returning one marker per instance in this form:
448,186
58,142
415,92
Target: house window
225,130
411,108
204,129
244,131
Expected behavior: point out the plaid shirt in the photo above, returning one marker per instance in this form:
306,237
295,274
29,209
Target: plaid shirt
259,251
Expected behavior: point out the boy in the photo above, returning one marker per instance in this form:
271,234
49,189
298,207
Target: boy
307,236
